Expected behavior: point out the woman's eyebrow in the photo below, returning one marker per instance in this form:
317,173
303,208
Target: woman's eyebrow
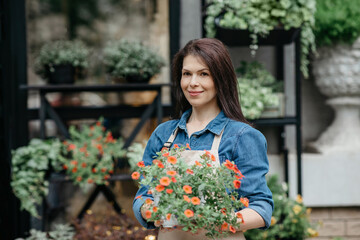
203,69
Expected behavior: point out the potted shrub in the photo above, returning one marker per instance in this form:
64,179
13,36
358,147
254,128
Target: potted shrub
262,19
30,165
337,73
260,94
132,61
61,61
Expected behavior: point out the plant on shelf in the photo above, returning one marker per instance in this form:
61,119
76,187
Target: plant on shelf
61,61
290,218
30,164
89,156
259,17
61,232
337,22
258,89
132,61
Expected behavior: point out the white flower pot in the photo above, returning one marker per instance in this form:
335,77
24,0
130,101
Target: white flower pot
337,74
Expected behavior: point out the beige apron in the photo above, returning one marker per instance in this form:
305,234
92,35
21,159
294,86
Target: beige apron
190,156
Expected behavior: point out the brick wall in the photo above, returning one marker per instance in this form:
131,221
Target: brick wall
341,222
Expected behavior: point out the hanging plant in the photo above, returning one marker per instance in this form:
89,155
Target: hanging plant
260,17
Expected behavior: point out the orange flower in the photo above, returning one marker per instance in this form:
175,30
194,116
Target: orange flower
171,173
111,171
90,180
198,164
79,178
229,165
159,188
71,147
237,184
141,164
176,146
239,215
148,201
83,165
172,159
224,226
65,167
107,176
160,165
173,179
94,170
74,170
213,158
98,123
188,213
103,170
223,211
135,175
195,200
189,171
187,189
244,201
156,161
169,191
149,192
155,209
188,146
165,181
232,229
186,198
168,216
166,154
208,153
73,162
148,214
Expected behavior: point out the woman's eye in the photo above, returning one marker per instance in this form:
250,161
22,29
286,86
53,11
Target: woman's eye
186,74
204,74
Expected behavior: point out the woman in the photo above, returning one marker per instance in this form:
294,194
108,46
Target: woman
205,88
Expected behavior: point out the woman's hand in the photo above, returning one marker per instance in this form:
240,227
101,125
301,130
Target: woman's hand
146,207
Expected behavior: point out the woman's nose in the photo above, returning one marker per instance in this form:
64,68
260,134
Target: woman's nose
194,80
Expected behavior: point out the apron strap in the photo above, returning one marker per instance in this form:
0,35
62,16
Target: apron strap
215,144
171,139
216,141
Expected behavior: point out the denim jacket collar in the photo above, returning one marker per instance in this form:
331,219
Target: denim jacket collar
215,126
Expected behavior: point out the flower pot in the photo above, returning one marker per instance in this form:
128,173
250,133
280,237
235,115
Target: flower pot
240,37
337,74
61,74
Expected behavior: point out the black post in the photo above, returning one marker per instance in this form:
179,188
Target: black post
13,103
298,110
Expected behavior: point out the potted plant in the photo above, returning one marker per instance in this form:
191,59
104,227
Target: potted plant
260,19
30,165
61,61
132,61
260,94
91,154
336,72
290,218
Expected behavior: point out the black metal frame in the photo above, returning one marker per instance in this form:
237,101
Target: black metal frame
13,129
278,38
45,111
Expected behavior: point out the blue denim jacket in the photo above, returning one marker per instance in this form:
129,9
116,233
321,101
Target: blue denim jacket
240,143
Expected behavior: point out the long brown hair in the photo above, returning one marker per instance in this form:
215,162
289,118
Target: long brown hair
215,55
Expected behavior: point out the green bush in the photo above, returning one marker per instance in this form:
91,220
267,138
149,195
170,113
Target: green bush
61,52
290,218
337,21
131,60
257,89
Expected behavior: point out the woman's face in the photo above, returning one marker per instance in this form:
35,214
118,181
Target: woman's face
197,83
